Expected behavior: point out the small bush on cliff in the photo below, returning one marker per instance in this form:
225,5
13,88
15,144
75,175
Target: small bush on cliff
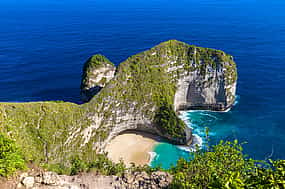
77,165
100,165
10,157
168,122
105,166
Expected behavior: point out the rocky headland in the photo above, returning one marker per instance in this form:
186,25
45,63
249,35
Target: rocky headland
143,94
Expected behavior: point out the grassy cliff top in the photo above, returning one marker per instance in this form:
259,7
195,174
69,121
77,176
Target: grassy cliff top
97,60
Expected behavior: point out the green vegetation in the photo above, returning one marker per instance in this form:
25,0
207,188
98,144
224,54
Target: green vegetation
94,62
100,165
222,166
168,122
41,129
225,166
11,158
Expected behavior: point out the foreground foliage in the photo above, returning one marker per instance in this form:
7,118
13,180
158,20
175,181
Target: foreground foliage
225,166
101,165
10,157
220,166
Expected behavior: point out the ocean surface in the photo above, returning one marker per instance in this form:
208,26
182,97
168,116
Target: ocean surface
43,45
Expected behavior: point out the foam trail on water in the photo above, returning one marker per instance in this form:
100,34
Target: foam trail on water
184,118
152,156
197,141
209,115
197,130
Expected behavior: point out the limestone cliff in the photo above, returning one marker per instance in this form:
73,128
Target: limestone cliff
97,72
211,83
143,95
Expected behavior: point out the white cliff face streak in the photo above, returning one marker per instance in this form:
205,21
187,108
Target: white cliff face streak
208,92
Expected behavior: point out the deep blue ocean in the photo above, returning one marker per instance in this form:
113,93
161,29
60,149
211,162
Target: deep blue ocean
43,45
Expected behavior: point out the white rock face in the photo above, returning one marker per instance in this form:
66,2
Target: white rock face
103,73
209,91
98,71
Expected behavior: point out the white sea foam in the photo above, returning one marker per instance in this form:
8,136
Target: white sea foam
209,115
198,140
184,118
152,156
236,100
197,143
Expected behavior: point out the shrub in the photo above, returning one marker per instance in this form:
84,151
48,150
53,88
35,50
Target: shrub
77,165
57,168
11,158
168,121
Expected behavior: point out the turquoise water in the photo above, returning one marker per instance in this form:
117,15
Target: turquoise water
221,125
167,155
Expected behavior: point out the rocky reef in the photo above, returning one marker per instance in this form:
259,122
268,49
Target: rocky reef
143,94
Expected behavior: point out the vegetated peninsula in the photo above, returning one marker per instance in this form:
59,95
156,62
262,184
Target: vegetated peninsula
144,94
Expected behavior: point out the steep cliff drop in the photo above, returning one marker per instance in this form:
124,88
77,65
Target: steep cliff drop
211,85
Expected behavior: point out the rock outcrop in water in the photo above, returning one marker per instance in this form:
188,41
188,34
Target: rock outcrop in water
97,72
143,95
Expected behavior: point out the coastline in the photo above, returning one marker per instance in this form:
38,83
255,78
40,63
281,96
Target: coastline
138,147
133,147
198,140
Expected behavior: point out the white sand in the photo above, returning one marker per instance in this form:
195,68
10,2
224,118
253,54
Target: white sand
131,147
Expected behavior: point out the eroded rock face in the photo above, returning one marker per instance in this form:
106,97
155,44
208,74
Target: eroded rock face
97,72
213,90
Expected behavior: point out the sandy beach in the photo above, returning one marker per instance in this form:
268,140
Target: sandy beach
131,147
